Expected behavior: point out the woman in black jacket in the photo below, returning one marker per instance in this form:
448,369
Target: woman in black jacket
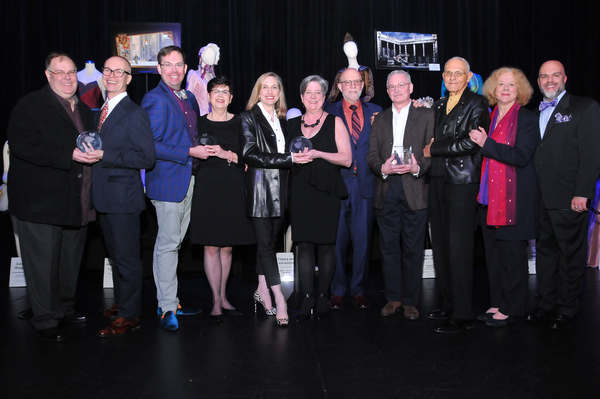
266,154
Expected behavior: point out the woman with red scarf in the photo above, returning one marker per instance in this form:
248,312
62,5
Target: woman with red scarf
507,193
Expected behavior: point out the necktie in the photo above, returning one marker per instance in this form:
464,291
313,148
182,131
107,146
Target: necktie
355,133
181,94
103,115
548,104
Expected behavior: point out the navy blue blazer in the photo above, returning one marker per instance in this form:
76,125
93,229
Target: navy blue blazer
366,178
128,147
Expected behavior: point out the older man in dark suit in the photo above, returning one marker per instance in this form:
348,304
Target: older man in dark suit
117,191
50,194
401,193
356,213
567,166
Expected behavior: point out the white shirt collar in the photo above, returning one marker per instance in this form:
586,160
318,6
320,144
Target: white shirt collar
112,103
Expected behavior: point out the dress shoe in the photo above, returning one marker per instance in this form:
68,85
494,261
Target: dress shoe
26,314
538,315
181,311
391,308
454,327
361,302
411,312
485,316
336,302
112,312
51,334
120,326
561,322
491,322
168,321
438,314
75,318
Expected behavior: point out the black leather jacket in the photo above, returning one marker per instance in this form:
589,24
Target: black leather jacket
454,155
266,177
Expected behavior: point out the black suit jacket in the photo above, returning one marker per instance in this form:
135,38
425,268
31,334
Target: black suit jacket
45,182
521,156
567,161
128,146
417,133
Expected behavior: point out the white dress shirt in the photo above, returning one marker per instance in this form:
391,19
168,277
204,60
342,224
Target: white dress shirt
276,126
112,103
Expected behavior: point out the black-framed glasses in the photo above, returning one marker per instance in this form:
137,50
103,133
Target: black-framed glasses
106,71
168,65
62,74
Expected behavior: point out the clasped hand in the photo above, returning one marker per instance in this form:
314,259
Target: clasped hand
390,167
89,156
304,156
478,136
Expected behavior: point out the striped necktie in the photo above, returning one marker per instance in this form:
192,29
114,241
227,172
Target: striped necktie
355,133
103,115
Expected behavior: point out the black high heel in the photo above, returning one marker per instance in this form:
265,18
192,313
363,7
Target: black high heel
307,306
322,304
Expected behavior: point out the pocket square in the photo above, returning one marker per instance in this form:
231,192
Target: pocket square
560,118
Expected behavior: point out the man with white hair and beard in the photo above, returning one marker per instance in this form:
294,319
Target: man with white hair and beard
567,167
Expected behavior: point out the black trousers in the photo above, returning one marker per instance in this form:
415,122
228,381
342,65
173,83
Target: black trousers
402,241
453,216
561,251
51,258
507,268
268,233
121,233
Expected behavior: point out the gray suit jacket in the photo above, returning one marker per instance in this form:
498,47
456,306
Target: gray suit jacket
418,133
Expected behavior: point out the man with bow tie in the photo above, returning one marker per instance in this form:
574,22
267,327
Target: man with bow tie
173,116
567,167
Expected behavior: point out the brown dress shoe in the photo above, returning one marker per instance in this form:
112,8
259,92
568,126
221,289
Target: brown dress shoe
411,312
391,308
120,326
111,312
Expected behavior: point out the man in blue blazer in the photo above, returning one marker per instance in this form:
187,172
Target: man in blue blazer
173,116
356,214
117,191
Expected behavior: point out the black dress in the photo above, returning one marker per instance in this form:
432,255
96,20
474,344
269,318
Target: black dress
316,189
218,205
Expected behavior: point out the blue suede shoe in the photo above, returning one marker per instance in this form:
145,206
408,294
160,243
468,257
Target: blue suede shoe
168,321
181,311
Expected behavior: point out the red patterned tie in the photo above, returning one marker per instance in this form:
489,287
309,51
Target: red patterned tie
355,133
103,114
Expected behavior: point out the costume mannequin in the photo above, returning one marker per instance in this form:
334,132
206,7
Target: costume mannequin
90,86
198,79
351,51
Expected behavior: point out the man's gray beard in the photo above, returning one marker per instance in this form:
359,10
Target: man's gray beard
547,95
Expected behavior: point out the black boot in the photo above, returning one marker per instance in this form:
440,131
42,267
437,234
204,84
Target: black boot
307,306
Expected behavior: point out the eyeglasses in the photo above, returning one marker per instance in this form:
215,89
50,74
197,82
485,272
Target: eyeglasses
62,74
398,86
168,65
455,74
117,72
349,83
219,91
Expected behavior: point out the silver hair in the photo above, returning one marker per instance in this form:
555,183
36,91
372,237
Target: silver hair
460,59
397,72
314,78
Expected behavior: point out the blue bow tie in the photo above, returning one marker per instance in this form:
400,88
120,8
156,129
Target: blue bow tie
548,104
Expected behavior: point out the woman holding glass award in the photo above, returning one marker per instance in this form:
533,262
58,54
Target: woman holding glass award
218,219
507,193
316,191
265,152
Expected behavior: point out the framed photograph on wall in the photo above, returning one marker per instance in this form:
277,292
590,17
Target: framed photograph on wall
140,42
406,50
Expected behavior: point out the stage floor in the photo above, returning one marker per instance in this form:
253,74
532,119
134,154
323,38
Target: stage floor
350,354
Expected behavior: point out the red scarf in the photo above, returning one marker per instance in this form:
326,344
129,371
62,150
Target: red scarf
502,178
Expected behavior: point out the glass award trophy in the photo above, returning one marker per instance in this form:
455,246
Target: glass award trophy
402,155
299,144
89,141
206,139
